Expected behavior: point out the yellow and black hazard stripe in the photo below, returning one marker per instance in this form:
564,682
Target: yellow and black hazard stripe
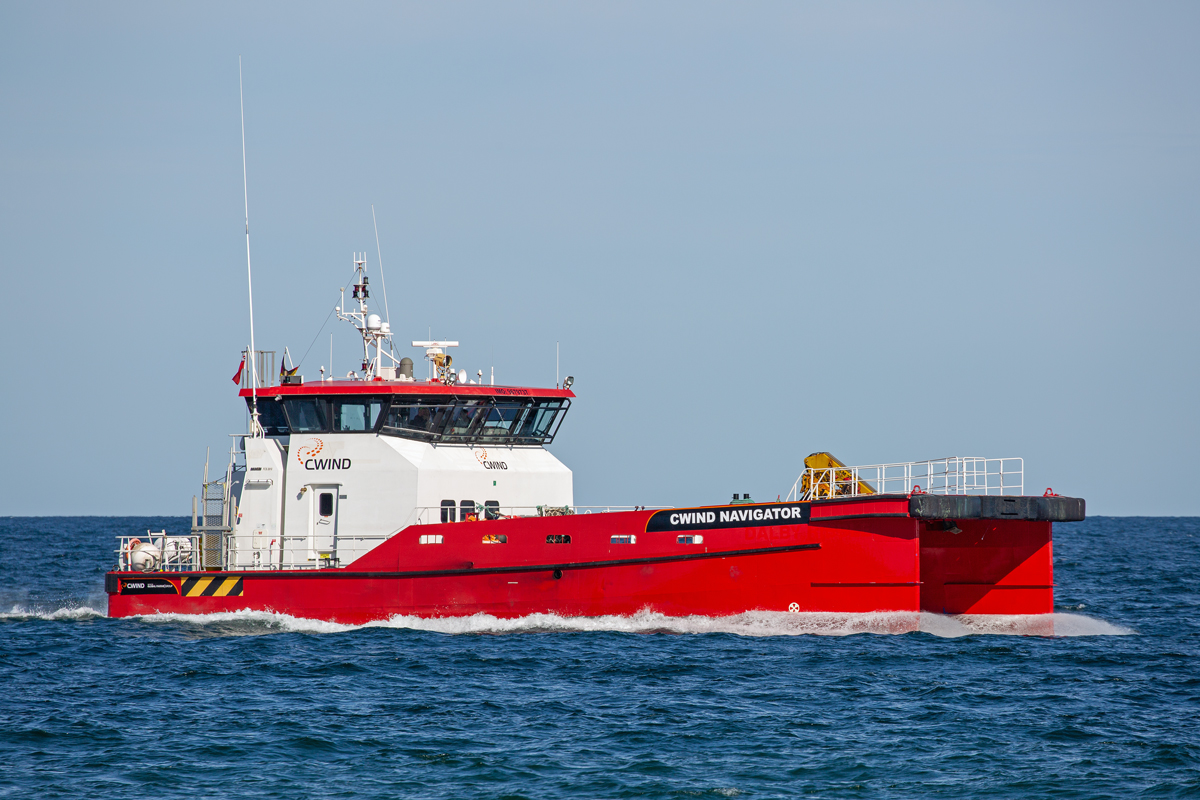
212,587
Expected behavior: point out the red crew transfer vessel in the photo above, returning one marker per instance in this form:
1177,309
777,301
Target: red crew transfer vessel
382,494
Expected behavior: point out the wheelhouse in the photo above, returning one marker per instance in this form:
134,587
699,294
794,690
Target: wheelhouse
441,418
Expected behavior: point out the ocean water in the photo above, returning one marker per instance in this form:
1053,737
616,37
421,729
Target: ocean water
756,706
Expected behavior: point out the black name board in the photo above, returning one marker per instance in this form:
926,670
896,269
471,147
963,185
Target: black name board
703,519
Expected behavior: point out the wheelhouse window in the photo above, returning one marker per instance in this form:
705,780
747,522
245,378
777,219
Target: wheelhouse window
500,420
270,416
355,414
539,419
453,420
306,414
414,419
474,420
468,414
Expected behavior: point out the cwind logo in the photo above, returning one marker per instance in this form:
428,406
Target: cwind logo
481,455
307,454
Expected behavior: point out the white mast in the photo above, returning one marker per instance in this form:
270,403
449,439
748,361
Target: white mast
375,331
255,427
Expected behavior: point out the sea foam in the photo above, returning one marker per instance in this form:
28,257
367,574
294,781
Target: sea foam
751,623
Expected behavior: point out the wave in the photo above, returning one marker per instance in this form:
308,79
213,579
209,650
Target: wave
751,623
69,613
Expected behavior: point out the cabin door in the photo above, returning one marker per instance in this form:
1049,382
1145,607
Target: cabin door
323,525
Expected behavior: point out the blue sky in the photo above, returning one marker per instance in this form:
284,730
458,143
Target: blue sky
892,231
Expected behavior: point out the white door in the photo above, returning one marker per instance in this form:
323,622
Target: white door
323,531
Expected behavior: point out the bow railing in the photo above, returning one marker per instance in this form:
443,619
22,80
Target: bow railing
952,475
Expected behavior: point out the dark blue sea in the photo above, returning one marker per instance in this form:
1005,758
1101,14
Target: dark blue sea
762,705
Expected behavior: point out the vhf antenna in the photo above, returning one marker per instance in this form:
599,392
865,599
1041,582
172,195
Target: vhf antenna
255,427
386,313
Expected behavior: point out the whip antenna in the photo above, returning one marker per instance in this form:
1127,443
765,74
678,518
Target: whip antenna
255,428
387,314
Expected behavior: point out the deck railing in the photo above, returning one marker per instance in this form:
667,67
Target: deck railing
951,475
251,551
159,552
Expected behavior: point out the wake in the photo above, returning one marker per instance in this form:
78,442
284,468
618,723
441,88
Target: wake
751,623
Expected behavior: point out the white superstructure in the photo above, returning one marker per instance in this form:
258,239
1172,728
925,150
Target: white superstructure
330,469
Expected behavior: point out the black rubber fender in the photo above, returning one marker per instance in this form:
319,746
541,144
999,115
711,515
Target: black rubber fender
1050,509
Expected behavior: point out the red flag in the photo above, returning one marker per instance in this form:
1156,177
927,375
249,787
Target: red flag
238,378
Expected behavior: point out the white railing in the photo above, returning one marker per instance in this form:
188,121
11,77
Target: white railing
248,552
158,552
952,475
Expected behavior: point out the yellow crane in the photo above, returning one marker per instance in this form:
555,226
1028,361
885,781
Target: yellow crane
826,476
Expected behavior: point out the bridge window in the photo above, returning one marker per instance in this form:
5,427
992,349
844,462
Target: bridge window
270,416
416,420
306,414
539,420
357,414
447,511
465,418
500,420
472,420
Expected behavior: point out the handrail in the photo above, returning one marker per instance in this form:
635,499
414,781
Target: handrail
240,552
953,475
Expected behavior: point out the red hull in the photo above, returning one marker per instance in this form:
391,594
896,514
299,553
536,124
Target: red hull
856,556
